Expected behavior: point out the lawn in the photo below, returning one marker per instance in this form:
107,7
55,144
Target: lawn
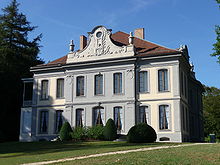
190,155
17,152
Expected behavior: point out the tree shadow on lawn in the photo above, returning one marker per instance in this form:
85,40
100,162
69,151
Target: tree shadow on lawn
16,149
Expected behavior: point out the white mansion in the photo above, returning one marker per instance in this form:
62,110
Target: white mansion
118,76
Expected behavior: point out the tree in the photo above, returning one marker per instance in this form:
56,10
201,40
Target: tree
65,132
17,55
110,130
141,133
216,46
211,110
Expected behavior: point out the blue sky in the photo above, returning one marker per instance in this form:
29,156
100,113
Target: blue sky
167,22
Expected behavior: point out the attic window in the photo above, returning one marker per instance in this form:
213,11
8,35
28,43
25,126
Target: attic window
98,34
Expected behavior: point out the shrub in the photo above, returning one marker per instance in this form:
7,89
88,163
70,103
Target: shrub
142,133
79,133
110,130
65,132
95,132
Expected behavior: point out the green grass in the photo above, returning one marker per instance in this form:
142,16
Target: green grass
189,155
17,152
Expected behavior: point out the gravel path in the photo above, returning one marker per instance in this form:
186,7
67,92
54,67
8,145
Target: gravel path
111,153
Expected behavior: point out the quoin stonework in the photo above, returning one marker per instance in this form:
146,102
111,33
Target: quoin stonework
119,76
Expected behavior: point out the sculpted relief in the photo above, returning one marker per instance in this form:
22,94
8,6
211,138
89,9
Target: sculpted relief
100,46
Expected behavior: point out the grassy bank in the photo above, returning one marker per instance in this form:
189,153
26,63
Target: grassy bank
17,152
189,155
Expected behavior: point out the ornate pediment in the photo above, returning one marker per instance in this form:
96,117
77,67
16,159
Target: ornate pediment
100,46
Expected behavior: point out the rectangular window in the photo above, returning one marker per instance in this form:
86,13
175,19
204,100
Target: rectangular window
26,124
79,117
60,88
163,80
117,83
183,113
185,86
143,81
187,125
118,118
80,86
28,91
44,89
43,122
164,115
144,114
59,121
98,84
182,82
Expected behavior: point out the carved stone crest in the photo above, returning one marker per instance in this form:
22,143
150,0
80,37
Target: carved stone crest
100,46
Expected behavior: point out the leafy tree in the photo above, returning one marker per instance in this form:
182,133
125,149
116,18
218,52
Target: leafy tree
211,110
17,54
216,46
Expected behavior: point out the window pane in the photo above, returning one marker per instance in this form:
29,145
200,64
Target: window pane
164,116
163,80
98,84
79,117
182,82
118,118
26,124
143,82
28,91
60,88
98,116
43,122
44,89
144,114
80,86
59,121
117,83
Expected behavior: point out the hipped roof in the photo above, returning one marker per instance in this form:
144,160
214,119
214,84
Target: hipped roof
143,48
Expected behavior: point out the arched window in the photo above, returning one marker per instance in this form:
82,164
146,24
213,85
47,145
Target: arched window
144,114
98,115
163,80
118,118
143,81
79,117
164,117
99,84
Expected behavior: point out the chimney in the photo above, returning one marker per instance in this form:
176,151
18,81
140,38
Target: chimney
139,33
83,42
